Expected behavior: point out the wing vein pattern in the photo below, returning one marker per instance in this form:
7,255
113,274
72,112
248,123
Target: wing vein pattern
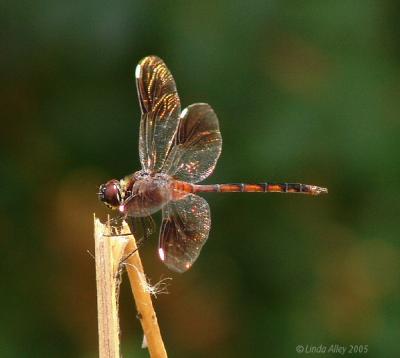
160,107
197,146
184,230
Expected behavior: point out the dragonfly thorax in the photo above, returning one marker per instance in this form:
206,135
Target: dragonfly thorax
144,193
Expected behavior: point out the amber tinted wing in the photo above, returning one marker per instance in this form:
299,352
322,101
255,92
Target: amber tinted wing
160,106
141,227
184,231
197,146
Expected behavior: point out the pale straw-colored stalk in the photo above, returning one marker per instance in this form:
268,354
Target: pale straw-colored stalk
112,250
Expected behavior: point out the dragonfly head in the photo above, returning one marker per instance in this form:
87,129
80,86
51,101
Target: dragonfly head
110,194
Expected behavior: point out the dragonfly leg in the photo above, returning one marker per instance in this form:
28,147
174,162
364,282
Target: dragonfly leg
147,231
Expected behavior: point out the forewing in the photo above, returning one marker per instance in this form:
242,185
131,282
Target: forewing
160,106
198,144
184,231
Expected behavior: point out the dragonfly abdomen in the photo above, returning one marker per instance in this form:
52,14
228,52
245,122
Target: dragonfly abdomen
259,188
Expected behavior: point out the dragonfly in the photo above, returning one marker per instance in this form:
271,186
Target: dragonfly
177,149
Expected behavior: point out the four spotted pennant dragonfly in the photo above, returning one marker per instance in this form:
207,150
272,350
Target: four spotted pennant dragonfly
177,150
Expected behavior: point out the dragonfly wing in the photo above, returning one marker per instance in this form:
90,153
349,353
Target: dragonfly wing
184,231
141,227
198,144
160,106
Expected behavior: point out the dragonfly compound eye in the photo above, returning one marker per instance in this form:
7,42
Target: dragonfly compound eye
110,193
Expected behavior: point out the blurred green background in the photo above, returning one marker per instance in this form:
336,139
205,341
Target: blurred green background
305,91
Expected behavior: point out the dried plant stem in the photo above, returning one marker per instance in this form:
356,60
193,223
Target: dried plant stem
143,301
108,253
